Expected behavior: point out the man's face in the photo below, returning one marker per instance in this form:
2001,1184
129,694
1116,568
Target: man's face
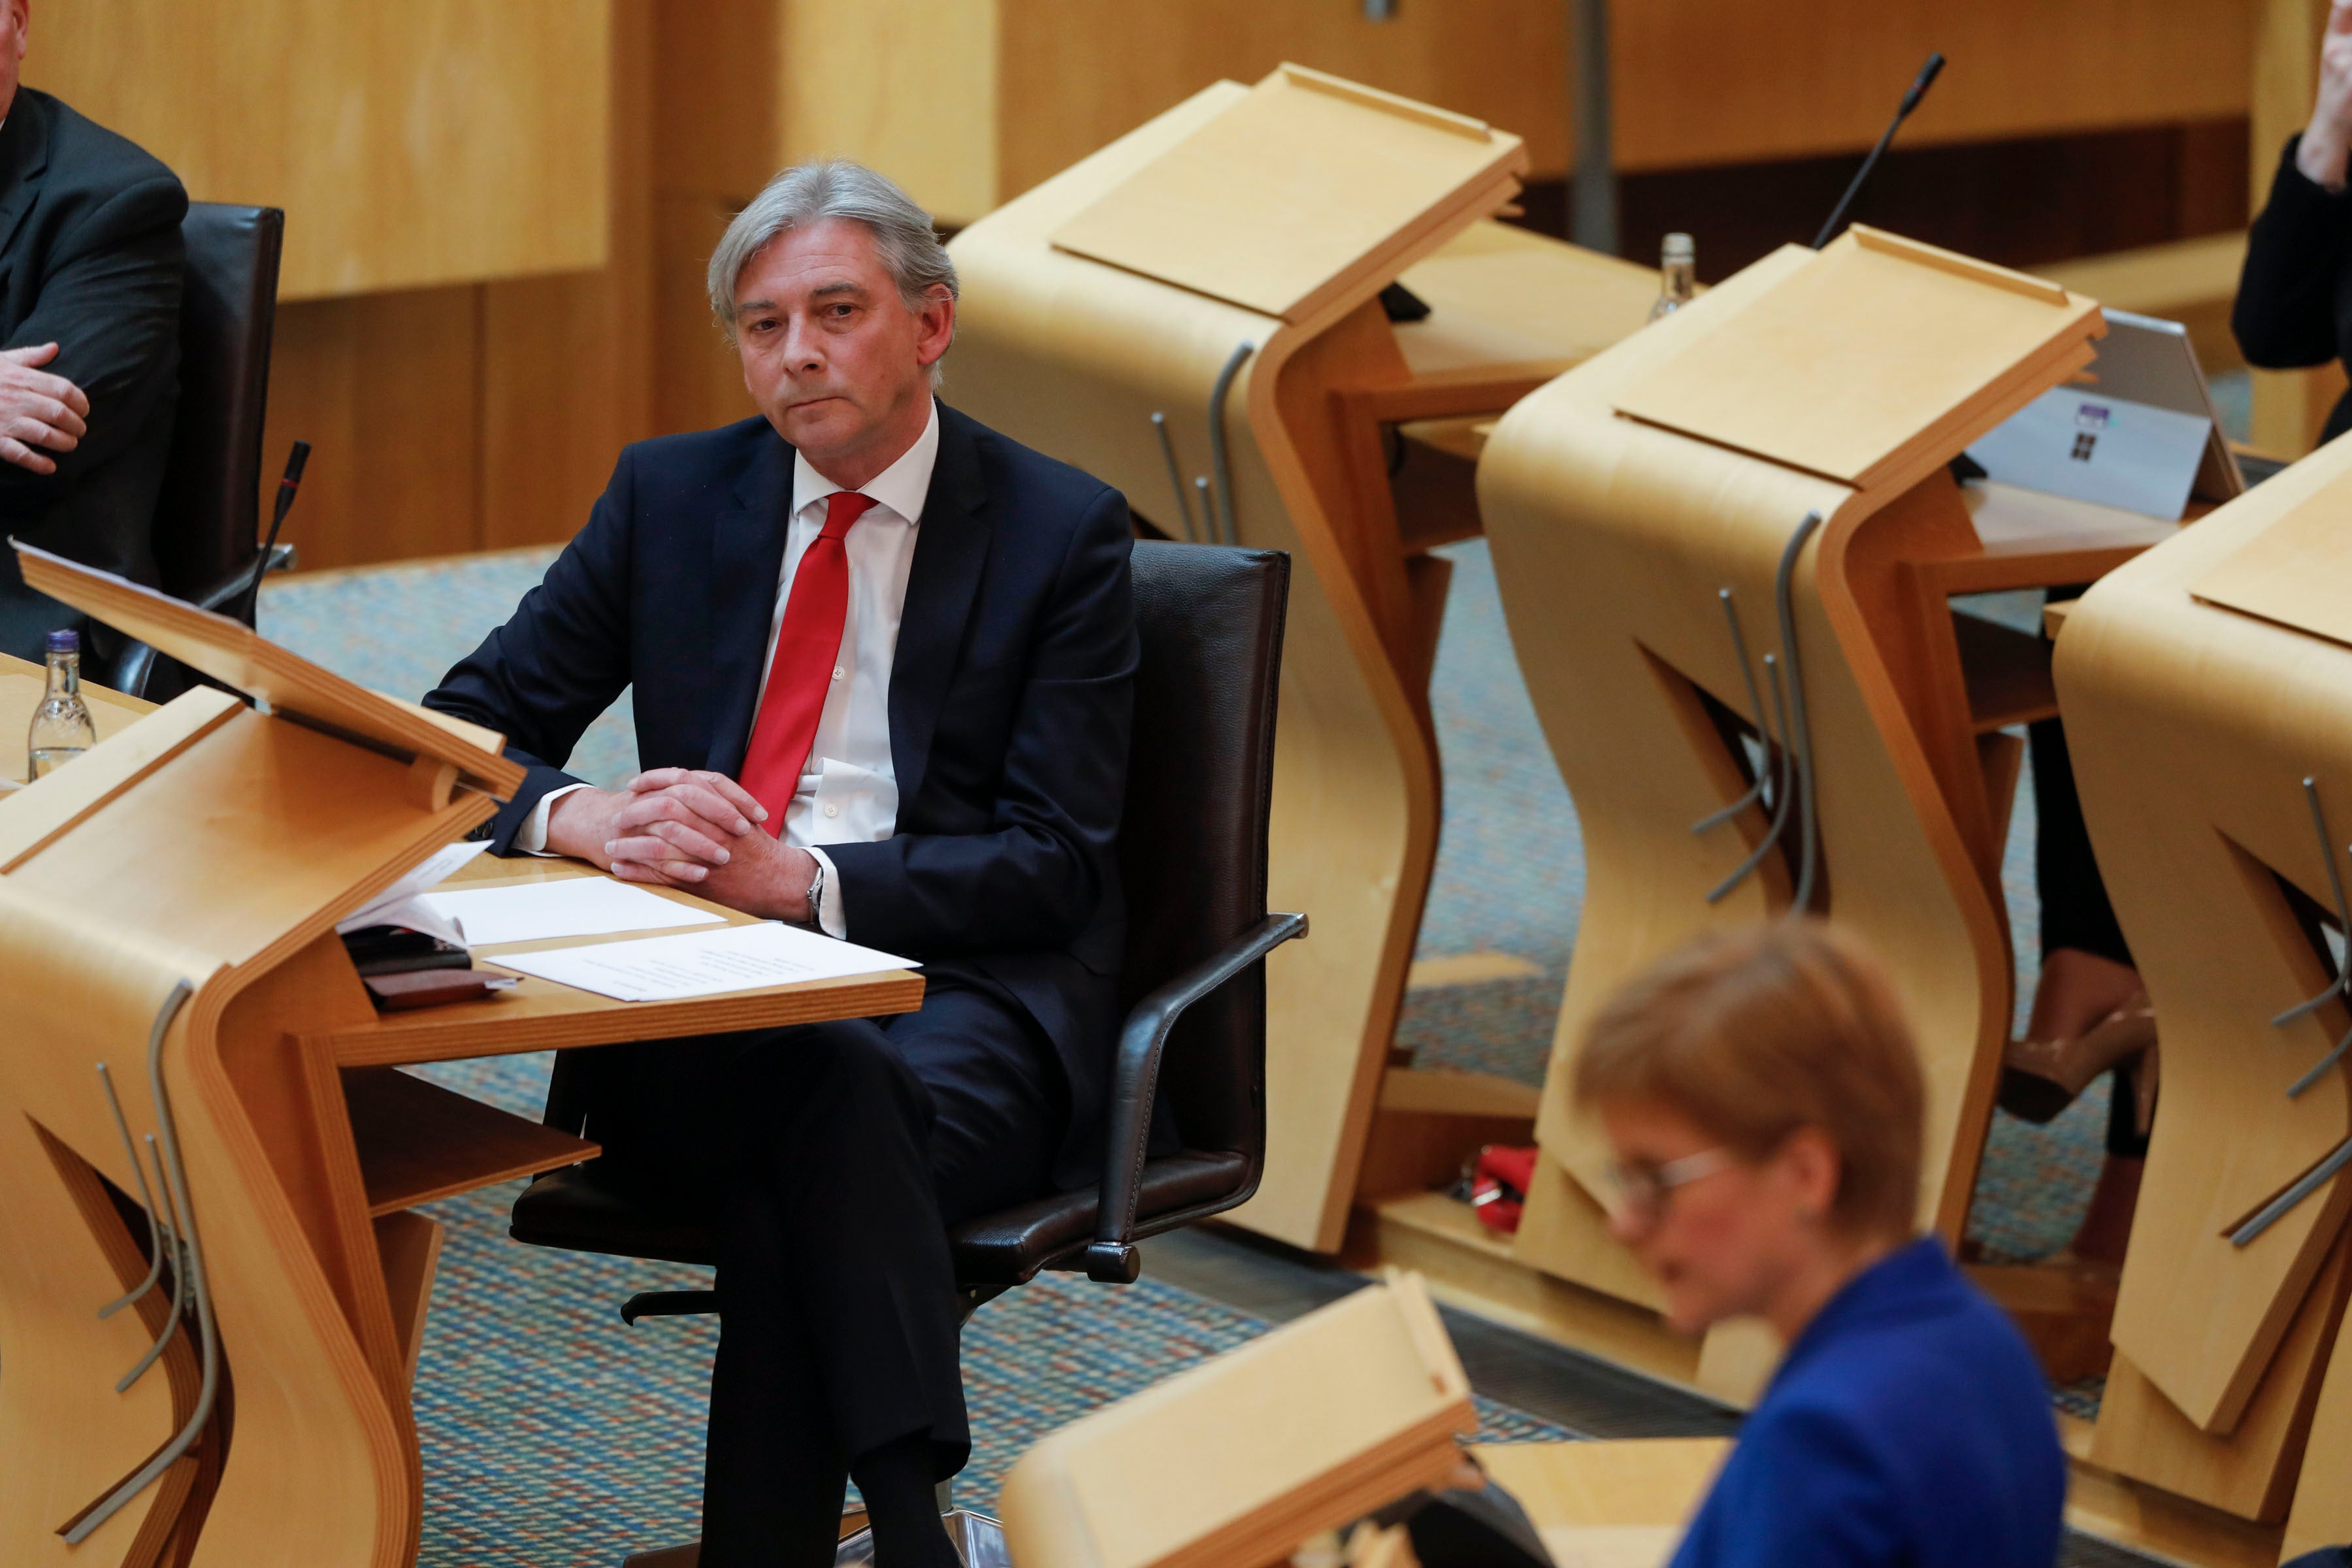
15,17
831,354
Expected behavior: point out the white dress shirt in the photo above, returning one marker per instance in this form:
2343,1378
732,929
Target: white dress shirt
850,793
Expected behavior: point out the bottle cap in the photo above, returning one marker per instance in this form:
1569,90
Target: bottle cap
64,642
1680,249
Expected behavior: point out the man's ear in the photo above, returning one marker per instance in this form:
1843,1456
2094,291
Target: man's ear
936,326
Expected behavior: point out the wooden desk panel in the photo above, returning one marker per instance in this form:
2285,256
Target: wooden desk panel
224,867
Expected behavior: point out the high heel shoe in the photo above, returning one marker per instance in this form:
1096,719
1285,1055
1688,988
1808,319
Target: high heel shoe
2040,1078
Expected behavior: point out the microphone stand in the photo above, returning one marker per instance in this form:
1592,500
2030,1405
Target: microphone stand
288,488
1910,102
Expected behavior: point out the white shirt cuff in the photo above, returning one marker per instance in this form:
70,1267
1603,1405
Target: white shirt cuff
532,837
829,918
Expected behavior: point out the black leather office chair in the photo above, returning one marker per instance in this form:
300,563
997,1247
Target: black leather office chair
207,517
1200,785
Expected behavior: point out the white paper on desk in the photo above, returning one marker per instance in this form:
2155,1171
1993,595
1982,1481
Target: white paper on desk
703,962
395,905
568,906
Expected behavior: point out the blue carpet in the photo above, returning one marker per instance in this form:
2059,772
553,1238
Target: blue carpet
552,1435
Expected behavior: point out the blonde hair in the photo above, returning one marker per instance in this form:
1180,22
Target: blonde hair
1756,1033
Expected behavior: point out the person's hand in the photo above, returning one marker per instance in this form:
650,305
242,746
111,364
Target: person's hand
761,876
689,828
2328,137
38,410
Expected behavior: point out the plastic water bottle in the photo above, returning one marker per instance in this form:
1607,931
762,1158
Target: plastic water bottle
1678,275
62,729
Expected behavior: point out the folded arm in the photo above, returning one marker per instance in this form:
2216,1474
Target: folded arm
2284,315
112,304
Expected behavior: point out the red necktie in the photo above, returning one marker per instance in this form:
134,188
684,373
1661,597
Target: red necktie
808,646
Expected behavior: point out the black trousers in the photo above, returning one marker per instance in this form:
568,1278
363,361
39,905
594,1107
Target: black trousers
835,1158
2075,911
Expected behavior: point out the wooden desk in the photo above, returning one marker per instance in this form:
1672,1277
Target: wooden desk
206,853
1621,1504
1077,357
1623,499
2194,726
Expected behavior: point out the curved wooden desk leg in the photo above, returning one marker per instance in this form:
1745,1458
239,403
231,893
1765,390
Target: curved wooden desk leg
2323,1499
324,1467
1075,358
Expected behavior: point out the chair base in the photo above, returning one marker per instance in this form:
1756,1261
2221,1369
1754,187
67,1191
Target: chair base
978,1540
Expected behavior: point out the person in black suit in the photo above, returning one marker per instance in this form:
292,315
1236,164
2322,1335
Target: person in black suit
90,267
2294,308
882,659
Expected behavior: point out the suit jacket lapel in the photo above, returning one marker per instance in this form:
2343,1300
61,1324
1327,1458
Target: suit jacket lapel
747,561
950,548
24,159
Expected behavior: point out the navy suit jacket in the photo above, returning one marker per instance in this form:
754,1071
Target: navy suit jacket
1010,701
1908,1425
91,260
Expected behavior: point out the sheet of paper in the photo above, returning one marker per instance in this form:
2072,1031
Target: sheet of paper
437,868
574,905
703,962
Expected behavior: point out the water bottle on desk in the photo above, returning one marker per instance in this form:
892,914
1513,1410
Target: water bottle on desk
1678,275
62,729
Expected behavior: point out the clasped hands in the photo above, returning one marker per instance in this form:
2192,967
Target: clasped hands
686,827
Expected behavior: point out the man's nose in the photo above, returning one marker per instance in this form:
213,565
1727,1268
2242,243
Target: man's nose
803,349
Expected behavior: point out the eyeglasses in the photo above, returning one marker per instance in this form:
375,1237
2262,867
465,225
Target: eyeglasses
1641,1190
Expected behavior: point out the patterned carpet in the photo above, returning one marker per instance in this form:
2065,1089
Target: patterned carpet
554,1436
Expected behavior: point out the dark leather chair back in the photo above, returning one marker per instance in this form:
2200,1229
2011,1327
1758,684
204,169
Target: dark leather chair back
207,517
1193,846
1192,854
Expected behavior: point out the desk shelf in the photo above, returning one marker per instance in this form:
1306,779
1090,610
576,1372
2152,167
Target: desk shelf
2007,674
418,1142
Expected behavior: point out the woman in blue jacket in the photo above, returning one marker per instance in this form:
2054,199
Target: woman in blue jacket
1763,1100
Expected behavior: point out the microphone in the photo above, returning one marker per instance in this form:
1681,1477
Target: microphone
1919,85
288,488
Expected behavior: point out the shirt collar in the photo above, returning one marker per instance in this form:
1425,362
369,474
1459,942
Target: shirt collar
901,487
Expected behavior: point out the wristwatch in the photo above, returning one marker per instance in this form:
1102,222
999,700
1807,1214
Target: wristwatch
815,896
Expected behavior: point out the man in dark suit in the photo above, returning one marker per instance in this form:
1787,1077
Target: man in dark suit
882,660
90,266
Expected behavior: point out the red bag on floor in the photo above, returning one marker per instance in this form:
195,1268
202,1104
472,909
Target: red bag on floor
1498,1185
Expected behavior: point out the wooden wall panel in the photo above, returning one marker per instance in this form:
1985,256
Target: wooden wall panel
909,86
1695,82
1078,73
568,361
385,389
718,124
422,143
699,381
1700,82
481,415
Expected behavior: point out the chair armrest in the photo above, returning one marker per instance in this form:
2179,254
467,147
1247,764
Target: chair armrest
131,671
1111,1259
